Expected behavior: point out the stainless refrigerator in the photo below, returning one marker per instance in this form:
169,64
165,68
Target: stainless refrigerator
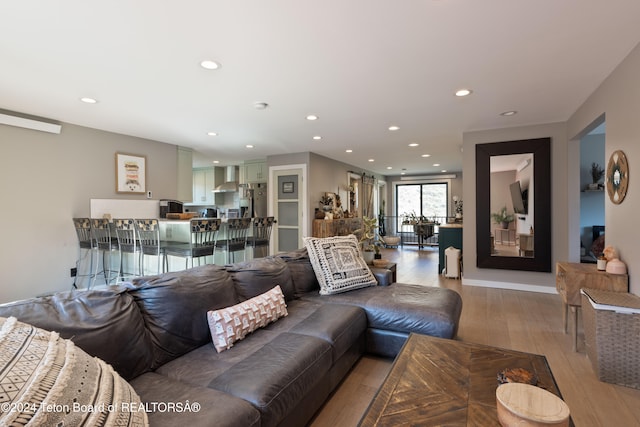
253,200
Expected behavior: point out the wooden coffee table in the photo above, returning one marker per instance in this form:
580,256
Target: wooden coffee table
436,381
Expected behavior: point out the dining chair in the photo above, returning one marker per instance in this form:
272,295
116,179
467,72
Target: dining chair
87,243
128,244
148,231
236,238
202,243
107,245
261,234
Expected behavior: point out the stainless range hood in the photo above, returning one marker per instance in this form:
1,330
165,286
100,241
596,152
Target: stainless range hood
230,183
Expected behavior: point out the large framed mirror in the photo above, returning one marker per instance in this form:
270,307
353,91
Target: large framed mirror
513,205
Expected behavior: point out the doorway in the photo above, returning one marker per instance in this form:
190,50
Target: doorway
287,196
592,194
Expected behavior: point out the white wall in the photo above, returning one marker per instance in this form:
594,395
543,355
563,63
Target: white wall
45,181
618,98
526,280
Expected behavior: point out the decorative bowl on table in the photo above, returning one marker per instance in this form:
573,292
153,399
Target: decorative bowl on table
525,405
380,262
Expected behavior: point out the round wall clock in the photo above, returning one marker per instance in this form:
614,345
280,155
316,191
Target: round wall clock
617,177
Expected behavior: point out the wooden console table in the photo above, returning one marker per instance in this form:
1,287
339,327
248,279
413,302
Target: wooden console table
335,227
436,381
571,277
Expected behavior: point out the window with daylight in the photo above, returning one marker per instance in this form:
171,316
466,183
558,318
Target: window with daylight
422,200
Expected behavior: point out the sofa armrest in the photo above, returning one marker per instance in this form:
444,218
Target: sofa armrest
382,275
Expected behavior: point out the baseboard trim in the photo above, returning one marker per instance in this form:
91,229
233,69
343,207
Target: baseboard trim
510,286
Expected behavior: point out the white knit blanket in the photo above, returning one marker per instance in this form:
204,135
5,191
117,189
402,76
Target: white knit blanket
48,381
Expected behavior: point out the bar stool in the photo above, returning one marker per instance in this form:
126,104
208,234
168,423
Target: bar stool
236,240
261,234
202,242
127,244
87,243
106,244
148,231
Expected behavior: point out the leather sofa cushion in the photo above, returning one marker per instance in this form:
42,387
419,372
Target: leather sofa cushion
202,365
277,376
259,275
339,325
302,275
217,408
104,323
405,308
175,305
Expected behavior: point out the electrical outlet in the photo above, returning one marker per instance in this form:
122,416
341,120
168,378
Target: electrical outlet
74,272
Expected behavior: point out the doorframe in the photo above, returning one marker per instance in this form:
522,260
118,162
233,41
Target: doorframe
302,197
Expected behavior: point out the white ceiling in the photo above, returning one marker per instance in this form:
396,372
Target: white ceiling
360,65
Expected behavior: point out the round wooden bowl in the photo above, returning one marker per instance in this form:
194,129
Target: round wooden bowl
525,405
380,262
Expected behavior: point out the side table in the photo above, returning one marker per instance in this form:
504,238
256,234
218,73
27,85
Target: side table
571,277
390,269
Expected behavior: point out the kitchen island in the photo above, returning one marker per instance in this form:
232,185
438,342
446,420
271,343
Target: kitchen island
178,231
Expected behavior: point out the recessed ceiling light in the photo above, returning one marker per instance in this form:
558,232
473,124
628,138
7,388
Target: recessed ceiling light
209,65
436,164
372,160
389,167
249,146
463,92
394,127
426,155
87,100
212,134
260,105
403,173
312,117
413,144
216,161
317,137
348,151
443,170
509,113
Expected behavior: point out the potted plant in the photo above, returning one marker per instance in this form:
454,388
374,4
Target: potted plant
325,202
367,235
502,217
596,175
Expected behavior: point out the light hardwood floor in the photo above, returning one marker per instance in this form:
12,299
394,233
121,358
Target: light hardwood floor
523,321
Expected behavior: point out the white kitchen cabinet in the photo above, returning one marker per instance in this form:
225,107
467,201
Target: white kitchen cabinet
256,172
204,181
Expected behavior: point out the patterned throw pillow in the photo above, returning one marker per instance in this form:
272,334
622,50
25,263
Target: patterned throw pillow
232,324
47,380
338,264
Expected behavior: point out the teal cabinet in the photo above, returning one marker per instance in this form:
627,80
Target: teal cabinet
449,235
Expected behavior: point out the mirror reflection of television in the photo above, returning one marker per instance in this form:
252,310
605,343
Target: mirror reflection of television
519,198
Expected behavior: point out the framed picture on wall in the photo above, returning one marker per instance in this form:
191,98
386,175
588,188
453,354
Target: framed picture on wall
131,173
287,187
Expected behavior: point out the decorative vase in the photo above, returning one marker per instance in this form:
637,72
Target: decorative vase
368,256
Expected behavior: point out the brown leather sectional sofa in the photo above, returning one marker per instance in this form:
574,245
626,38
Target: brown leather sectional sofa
154,332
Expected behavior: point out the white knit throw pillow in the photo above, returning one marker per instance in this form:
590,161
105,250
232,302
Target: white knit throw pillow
337,264
48,381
